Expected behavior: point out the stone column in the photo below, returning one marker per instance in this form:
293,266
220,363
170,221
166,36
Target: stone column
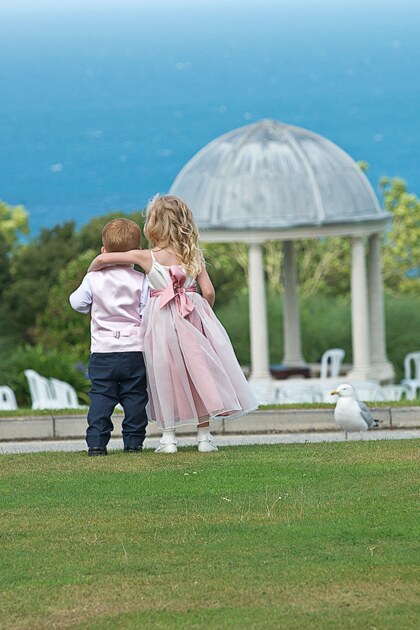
381,367
359,313
260,369
291,318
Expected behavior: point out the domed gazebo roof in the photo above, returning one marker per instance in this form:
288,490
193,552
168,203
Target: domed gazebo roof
273,176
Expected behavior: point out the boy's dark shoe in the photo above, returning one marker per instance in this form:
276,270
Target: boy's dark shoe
133,449
97,451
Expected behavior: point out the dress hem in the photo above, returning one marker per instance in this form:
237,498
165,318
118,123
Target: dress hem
196,421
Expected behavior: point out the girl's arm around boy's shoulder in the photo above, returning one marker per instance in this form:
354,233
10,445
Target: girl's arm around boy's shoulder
140,257
206,286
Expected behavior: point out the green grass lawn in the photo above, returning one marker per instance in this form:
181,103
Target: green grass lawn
310,536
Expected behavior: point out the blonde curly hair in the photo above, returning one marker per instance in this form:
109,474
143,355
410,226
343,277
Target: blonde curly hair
169,222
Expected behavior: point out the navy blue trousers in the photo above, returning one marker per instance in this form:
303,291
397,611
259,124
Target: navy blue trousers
117,377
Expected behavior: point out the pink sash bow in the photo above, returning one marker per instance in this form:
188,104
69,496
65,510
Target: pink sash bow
176,291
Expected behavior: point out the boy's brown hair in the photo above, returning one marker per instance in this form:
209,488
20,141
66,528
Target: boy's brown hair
121,235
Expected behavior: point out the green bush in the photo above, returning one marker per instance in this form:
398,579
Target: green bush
325,324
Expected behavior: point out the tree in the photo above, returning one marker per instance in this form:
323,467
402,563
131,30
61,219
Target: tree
34,268
59,327
401,251
13,220
4,265
227,265
13,223
324,266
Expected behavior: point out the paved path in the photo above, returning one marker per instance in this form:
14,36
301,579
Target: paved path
225,440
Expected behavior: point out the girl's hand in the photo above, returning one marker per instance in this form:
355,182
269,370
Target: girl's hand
97,263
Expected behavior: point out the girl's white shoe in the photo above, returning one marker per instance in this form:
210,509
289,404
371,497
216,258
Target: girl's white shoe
167,447
167,442
206,443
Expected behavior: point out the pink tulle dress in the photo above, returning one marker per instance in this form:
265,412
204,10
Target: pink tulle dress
192,370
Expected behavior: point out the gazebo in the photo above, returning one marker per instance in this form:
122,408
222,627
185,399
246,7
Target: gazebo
273,181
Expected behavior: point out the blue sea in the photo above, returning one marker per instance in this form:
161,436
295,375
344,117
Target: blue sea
102,103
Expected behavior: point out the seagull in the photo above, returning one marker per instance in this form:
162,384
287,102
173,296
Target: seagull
350,414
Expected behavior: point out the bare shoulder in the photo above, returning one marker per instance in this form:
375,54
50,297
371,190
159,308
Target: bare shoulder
144,259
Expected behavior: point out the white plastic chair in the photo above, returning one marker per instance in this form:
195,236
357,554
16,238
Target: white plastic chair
264,391
65,394
297,393
331,362
41,391
7,398
412,373
366,391
392,392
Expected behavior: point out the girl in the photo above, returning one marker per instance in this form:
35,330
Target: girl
192,371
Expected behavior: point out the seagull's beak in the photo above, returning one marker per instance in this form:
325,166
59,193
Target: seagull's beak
334,392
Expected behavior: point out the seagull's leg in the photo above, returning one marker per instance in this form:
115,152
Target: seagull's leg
347,436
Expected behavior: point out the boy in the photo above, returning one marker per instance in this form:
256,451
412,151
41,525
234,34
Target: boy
115,298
